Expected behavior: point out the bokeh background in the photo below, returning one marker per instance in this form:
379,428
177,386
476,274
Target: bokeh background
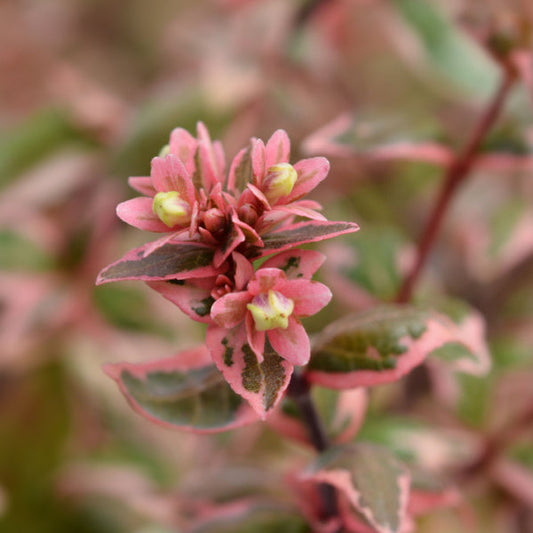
89,91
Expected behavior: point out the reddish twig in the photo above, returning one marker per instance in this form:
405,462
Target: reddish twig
300,392
455,175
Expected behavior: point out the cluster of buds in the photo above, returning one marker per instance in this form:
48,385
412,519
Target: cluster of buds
238,217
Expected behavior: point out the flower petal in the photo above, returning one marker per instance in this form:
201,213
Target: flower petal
277,149
297,264
310,173
138,213
169,174
244,271
183,145
309,297
265,279
230,310
256,339
292,343
142,184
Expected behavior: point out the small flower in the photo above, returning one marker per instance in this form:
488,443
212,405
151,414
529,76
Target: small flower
271,305
271,310
171,209
279,181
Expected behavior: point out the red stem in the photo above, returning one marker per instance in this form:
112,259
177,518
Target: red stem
455,175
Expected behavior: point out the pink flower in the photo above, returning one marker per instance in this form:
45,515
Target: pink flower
275,298
255,337
276,188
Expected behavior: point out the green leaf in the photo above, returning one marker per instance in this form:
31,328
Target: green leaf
183,392
449,52
377,264
371,478
34,139
253,517
18,253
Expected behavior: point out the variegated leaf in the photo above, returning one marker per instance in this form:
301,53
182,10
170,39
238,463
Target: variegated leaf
184,392
371,478
377,346
171,261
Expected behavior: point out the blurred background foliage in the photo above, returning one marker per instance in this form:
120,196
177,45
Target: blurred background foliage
89,91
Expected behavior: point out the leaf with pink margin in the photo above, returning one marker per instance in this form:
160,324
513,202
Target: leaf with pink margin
262,384
375,484
310,173
277,149
378,137
468,352
138,213
192,296
377,346
183,392
297,264
170,261
301,233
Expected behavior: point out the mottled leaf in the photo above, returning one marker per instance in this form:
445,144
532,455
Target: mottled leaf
377,346
182,392
301,233
262,383
371,478
170,261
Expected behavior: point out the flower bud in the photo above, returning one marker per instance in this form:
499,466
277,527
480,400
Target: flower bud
165,150
279,181
271,310
171,209
214,220
248,214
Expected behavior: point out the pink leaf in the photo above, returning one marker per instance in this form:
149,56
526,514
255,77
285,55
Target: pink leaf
192,296
143,185
138,213
310,173
277,149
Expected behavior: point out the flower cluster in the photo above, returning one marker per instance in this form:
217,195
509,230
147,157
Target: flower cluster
215,226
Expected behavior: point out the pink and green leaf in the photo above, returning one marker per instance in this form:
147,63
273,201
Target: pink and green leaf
301,233
297,264
262,383
182,392
377,346
192,296
373,481
170,261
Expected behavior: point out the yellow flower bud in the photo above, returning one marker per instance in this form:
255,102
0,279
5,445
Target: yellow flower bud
171,209
271,310
279,181
165,150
